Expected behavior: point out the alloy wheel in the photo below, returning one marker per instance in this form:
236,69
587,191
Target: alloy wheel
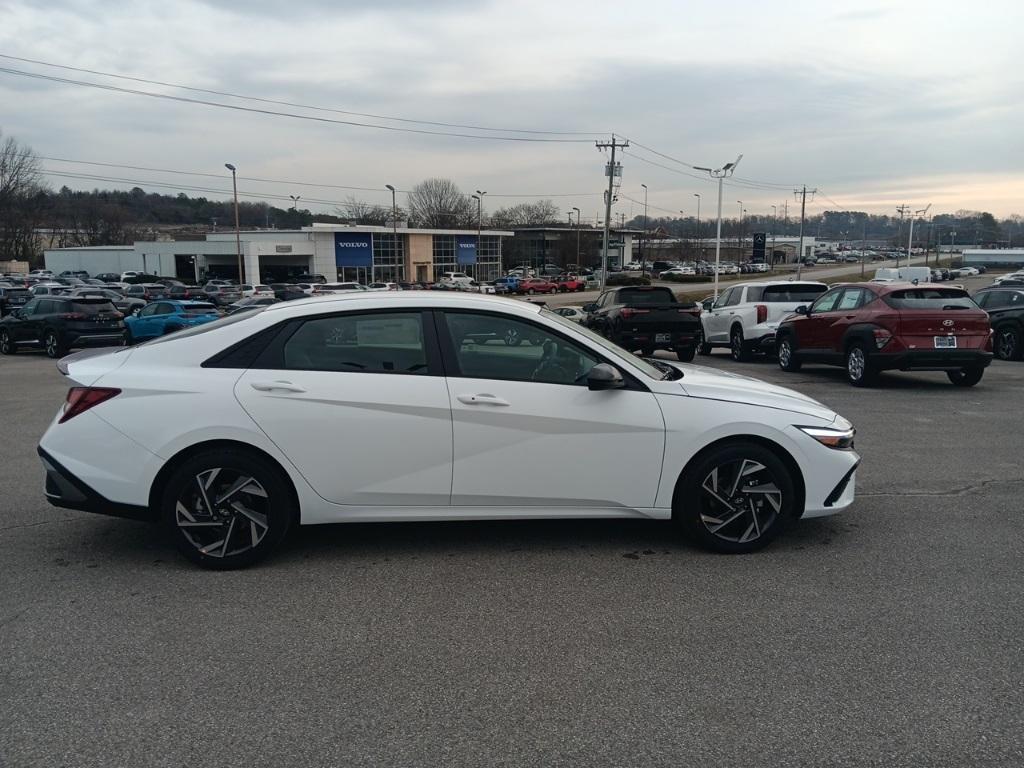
5,343
856,364
741,501
1006,344
785,353
224,513
51,344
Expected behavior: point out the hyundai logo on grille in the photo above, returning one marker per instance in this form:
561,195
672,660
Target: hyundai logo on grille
947,323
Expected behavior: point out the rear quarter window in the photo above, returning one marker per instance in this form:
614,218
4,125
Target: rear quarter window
930,298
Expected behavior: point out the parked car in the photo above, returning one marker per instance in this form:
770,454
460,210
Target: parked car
109,277
455,277
228,434
250,303
532,285
576,314
126,305
1005,307
221,295
646,318
508,284
60,323
964,272
180,292
307,278
872,327
41,274
255,290
13,297
338,288
570,284
286,292
144,291
678,272
383,287
49,289
162,317
746,316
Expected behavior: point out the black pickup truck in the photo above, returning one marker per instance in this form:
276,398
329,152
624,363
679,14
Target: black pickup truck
645,318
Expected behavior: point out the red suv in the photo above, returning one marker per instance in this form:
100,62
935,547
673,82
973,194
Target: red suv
534,285
872,327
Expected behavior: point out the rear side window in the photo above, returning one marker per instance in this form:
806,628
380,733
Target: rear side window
92,307
930,298
359,343
646,296
797,293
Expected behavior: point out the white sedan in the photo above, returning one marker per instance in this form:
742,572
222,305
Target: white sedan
415,406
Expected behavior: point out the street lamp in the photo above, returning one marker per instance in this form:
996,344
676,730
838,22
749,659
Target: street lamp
910,240
579,267
643,242
700,246
394,225
479,225
238,234
739,237
295,201
775,224
720,173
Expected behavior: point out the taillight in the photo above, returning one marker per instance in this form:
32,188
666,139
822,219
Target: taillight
762,313
72,316
882,337
81,399
627,313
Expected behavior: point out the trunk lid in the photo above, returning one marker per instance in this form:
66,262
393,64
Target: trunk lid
927,315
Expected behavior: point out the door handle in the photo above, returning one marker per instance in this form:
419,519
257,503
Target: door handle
270,386
482,399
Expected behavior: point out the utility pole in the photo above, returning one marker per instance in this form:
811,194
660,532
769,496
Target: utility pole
238,235
910,240
579,267
803,215
700,245
611,170
720,174
643,240
863,244
775,225
902,209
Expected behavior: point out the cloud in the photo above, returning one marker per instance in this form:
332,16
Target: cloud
866,14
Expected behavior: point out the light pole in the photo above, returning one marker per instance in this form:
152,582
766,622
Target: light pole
775,224
643,242
295,201
479,225
910,240
238,234
579,267
720,174
394,225
700,246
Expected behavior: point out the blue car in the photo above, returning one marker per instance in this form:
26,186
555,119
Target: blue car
508,284
162,317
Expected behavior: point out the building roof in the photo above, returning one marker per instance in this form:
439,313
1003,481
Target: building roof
368,228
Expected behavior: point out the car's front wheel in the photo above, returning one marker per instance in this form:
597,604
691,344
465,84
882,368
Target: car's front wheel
787,356
736,498
7,345
227,508
966,377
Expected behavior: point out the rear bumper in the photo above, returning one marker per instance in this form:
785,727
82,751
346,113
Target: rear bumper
78,339
931,359
64,489
641,339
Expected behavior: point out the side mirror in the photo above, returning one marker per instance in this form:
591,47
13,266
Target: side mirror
592,307
605,376
803,309
707,304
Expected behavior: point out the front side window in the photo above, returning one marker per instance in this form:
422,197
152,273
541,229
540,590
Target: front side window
723,298
827,302
359,343
497,347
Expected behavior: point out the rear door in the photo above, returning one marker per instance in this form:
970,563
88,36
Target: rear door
529,433
357,401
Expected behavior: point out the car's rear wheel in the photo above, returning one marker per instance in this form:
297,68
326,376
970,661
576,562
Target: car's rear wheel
787,356
227,508
647,352
53,345
736,498
859,370
685,354
530,291
738,346
966,377
702,346
7,345
1008,343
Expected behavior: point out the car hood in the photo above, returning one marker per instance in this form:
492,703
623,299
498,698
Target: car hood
713,384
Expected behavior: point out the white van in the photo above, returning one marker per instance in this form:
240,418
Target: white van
455,277
904,274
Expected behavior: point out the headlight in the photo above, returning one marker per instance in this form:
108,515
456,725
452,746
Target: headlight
840,439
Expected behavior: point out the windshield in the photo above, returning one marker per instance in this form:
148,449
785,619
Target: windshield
930,298
648,369
92,307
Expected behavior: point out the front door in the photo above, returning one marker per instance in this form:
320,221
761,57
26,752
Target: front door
813,330
716,322
357,403
529,433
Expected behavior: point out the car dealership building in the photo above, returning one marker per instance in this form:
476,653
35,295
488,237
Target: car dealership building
361,253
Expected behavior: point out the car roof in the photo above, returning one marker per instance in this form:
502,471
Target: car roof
902,285
402,299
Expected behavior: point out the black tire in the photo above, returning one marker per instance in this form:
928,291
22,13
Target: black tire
54,347
714,512
264,518
531,291
703,347
7,345
966,377
788,360
738,346
685,354
859,369
647,352
129,340
1008,343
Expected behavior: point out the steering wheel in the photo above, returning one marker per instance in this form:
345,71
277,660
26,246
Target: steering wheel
552,372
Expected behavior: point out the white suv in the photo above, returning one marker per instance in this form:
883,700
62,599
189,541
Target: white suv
746,316
455,277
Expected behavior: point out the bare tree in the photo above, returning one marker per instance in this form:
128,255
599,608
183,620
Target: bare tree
361,212
538,214
22,200
440,203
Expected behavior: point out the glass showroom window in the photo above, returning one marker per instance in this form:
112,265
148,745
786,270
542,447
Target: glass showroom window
388,257
488,258
444,255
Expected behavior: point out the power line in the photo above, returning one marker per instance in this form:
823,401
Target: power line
294,104
649,205
276,113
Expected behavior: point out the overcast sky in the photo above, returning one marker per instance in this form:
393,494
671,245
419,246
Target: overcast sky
874,103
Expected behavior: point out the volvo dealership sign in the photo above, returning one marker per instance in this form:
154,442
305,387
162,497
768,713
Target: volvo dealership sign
465,250
353,249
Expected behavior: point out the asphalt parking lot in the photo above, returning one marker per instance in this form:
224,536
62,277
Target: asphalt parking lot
890,635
